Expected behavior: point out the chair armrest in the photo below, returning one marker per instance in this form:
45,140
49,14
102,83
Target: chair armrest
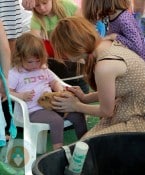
20,108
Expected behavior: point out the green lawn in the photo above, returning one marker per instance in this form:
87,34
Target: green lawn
69,134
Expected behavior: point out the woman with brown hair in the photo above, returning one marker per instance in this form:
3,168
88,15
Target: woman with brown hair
116,73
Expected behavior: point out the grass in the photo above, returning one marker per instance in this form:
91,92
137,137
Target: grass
69,134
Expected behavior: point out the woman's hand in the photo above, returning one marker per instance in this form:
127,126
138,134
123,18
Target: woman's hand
65,103
77,91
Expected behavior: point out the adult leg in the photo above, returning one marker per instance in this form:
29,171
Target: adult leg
12,45
7,117
56,123
79,123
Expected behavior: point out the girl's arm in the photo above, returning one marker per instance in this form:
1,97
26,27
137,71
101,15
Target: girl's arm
26,96
55,82
56,86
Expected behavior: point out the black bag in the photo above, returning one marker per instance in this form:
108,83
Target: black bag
110,154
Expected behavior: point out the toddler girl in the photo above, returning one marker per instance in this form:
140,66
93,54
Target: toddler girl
30,77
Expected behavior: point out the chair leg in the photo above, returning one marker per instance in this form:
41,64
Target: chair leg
42,142
30,144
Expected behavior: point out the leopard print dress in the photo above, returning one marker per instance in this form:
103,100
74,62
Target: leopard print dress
129,112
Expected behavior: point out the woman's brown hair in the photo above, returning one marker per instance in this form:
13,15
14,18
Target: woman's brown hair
28,45
74,37
94,10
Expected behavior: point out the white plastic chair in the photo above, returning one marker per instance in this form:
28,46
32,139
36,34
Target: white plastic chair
34,134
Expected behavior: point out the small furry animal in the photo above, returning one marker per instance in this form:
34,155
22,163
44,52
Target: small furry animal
46,98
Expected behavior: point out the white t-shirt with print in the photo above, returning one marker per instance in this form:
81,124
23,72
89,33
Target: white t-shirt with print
38,80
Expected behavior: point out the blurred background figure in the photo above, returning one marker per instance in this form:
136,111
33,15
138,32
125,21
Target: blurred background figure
138,8
26,17
78,2
28,4
10,15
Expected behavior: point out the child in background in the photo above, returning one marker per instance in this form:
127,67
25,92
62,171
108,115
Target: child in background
138,9
46,15
122,25
32,78
78,2
100,26
10,15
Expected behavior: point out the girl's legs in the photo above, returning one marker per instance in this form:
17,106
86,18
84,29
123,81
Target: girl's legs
56,123
79,123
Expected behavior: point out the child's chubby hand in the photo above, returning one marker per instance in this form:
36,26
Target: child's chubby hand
28,95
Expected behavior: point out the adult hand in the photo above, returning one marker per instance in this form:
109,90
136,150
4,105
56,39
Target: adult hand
66,103
77,91
28,4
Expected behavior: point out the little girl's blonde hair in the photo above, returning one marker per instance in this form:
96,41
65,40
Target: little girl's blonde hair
57,9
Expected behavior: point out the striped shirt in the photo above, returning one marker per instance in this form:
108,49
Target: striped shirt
10,15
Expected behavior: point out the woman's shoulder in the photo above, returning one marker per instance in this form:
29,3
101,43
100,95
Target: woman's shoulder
103,47
110,50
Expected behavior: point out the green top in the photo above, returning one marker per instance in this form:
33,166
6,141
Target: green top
51,22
